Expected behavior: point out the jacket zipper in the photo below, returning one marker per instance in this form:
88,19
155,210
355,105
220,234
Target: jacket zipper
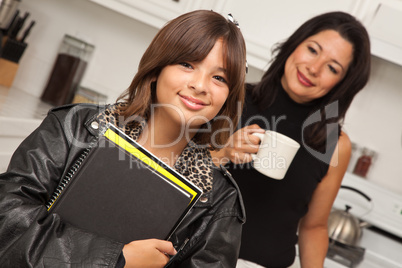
69,176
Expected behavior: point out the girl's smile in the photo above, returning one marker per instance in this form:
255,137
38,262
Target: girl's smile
193,103
189,94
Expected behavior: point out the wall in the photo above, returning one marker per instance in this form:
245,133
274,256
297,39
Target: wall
119,44
372,121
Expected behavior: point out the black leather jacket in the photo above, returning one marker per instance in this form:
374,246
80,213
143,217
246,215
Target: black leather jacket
30,237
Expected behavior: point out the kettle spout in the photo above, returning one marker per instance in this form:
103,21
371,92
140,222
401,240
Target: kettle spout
364,224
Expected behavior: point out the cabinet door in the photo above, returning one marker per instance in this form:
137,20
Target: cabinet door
266,22
383,19
157,12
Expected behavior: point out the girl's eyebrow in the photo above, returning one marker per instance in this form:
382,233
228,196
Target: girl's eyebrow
222,69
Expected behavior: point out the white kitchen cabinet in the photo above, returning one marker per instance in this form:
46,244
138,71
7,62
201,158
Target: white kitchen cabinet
267,22
157,12
263,22
383,19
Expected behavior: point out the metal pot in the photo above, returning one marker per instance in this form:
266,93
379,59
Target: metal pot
343,226
7,10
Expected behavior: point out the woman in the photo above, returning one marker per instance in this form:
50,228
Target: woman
304,94
192,72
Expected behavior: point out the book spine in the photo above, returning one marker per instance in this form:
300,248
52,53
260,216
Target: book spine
68,177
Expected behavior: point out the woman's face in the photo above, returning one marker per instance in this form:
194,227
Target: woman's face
316,66
193,92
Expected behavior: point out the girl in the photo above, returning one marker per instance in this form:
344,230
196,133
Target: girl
192,72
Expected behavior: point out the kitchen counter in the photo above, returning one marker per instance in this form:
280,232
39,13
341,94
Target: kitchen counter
18,104
20,114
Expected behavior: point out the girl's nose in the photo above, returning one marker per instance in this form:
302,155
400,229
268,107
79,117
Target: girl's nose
199,83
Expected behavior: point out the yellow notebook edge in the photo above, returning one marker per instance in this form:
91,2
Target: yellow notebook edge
128,147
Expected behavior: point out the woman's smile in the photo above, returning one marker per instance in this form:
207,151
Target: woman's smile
316,66
304,80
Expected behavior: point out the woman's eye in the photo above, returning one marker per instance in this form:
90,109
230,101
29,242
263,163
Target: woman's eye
220,79
312,50
332,69
185,64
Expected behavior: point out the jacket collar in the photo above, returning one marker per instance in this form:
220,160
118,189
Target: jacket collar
194,163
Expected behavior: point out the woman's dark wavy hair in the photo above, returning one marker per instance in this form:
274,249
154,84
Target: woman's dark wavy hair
190,37
355,79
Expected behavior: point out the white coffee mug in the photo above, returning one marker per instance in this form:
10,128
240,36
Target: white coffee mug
275,154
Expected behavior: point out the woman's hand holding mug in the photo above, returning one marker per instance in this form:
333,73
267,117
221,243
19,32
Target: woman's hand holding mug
275,154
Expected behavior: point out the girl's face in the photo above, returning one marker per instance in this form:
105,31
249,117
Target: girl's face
316,66
193,92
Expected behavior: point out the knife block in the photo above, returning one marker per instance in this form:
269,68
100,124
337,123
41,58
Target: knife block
8,70
11,54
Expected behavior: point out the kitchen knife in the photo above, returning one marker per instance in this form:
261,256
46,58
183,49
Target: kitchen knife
14,28
18,26
27,30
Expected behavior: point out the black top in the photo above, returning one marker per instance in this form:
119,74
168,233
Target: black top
274,207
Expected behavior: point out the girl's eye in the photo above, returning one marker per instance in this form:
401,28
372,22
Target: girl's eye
185,64
220,79
332,69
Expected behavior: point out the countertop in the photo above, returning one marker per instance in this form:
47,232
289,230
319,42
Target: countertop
20,112
15,103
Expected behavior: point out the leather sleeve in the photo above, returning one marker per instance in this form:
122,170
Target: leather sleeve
215,241
29,235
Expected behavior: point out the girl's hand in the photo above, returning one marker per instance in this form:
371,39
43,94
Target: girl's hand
148,253
239,147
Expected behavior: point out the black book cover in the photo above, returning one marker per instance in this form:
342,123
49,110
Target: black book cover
122,191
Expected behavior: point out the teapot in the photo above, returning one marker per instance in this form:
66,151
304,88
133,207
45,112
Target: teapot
345,227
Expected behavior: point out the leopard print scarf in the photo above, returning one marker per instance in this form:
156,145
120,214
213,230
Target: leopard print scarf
195,162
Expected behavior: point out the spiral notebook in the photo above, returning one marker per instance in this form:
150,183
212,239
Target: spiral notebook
120,190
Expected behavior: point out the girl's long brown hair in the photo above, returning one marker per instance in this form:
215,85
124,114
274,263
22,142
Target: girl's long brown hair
190,37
